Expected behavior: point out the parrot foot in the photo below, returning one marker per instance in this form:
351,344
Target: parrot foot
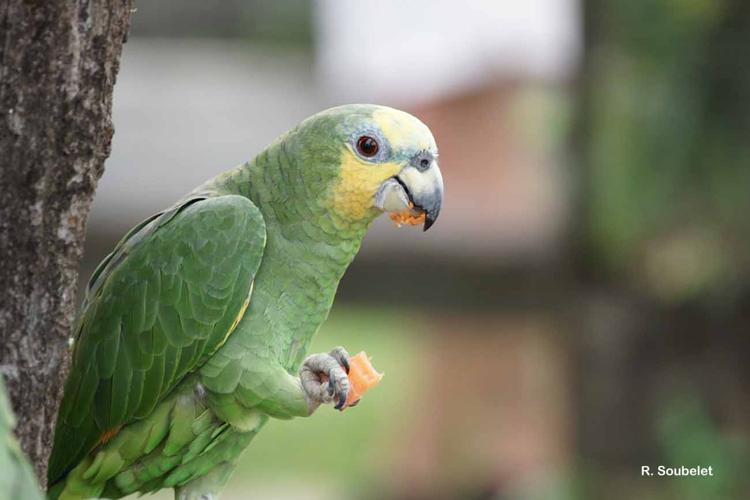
324,378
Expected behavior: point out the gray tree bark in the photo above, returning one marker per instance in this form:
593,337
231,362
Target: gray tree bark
58,63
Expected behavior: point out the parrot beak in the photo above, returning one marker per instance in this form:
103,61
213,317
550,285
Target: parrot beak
417,188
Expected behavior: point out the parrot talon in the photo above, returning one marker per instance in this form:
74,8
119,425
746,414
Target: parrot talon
342,356
342,400
324,379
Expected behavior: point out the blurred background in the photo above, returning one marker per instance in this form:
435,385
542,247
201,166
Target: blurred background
581,308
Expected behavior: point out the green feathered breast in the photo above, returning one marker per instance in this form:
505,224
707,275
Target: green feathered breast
158,306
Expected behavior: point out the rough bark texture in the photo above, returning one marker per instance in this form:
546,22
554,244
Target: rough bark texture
58,62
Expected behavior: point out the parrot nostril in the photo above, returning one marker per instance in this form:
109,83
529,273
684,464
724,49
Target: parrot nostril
422,160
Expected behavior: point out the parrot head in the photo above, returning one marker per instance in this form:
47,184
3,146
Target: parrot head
379,160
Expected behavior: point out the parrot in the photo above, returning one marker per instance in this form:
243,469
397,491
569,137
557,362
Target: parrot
194,331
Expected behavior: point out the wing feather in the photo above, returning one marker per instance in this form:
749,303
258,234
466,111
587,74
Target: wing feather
155,310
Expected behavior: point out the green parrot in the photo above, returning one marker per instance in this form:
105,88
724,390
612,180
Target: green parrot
194,330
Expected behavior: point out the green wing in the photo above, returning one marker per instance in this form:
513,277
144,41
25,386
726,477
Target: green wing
157,307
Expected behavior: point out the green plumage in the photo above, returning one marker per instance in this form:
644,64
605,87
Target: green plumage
162,304
193,330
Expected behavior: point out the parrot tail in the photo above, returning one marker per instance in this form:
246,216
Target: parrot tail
54,491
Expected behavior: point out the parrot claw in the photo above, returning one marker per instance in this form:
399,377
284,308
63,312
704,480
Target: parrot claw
324,378
342,401
341,356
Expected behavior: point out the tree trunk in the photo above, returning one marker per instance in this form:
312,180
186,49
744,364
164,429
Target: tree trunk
58,62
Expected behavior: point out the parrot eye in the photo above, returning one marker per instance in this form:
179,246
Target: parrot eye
367,146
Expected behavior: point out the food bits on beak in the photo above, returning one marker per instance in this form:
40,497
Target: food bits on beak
409,216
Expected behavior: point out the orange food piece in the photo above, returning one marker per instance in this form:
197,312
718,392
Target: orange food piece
362,377
408,216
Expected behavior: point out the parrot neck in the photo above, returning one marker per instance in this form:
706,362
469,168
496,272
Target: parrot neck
294,191
307,252
296,208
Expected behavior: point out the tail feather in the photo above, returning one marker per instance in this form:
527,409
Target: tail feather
54,491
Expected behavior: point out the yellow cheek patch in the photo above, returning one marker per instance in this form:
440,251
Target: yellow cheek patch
354,193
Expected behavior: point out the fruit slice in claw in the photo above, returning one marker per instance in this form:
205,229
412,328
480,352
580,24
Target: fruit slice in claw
362,377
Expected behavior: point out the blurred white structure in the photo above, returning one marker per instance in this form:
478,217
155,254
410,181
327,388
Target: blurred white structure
187,109
420,50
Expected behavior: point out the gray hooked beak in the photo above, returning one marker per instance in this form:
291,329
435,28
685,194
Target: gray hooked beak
419,187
